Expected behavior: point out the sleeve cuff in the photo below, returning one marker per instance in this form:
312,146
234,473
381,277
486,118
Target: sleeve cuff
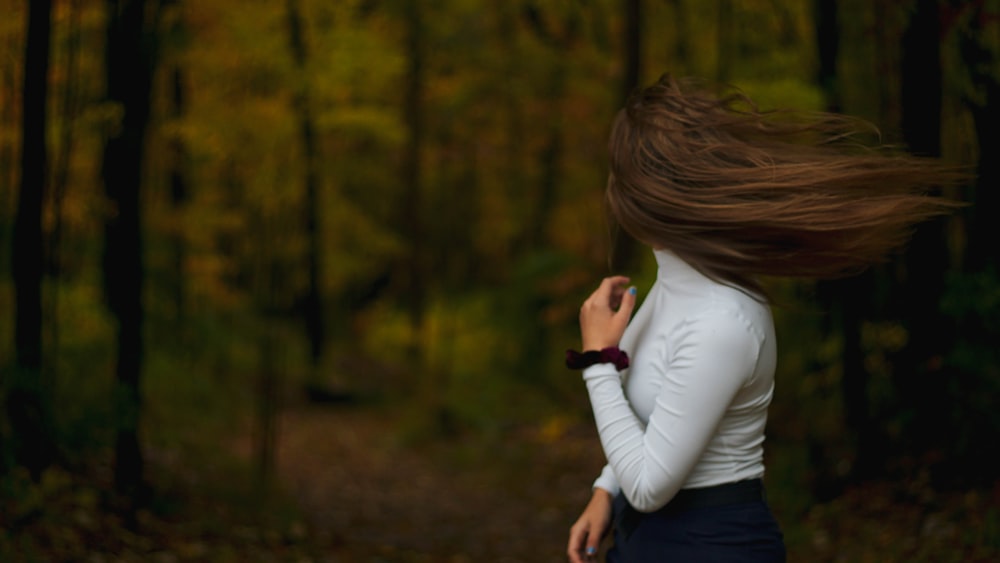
600,370
608,481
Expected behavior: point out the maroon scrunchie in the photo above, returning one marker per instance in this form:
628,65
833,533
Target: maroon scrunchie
612,355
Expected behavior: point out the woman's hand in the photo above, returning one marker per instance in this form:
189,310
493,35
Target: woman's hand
585,536
605,314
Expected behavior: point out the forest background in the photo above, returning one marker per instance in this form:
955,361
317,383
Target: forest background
291,280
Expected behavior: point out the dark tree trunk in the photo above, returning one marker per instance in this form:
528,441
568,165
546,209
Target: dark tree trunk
130,64
983,227
827,49
632,47
681,49
178,183
725,39
917,368
313,302
972,421
624,247
26,405
847,300
177,171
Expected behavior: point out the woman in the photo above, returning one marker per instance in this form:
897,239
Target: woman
723,193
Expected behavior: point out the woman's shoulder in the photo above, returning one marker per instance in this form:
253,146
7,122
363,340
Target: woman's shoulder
726,309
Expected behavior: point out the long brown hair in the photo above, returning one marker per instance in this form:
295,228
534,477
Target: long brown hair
738,192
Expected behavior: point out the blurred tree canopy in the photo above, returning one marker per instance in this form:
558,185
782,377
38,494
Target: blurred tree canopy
393,199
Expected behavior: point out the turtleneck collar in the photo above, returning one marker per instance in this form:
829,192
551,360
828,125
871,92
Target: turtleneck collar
672,269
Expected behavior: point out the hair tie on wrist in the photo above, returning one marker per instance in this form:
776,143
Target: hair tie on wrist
611,355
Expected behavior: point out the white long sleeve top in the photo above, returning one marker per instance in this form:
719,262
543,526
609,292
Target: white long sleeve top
691,409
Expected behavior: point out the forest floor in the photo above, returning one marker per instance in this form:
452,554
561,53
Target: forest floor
352,487
374,499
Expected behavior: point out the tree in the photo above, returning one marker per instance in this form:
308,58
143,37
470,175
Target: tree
130,59
827,27
177,160
26,404
410,216
681,50
973,363
624,252
918,373
982,96
848,301
725,36
559,40
312,303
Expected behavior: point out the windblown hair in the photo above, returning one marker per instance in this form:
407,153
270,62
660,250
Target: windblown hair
740,193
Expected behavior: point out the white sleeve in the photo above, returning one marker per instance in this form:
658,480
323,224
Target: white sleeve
607,481
712,356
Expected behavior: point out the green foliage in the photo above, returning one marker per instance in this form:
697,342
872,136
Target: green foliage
81,369
784,93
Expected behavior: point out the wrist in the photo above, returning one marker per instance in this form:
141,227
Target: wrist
597,345
602,494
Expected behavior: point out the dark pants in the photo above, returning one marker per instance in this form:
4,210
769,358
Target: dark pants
703,525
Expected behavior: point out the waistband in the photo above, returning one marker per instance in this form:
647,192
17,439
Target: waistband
740,492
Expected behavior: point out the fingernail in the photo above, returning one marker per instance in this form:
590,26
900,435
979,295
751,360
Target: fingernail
632,290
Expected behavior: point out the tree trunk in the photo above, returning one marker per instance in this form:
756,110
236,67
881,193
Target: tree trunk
177,173
27,405
827,49
623,254
975,358
980,60
681,45
917,370
984,228
847,300
632,47
130,64
725,39
313,302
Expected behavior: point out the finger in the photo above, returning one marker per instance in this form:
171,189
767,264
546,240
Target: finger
611,290
574,549
628,302
611,282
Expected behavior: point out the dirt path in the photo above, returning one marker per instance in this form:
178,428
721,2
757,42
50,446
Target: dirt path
373,499
512,499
